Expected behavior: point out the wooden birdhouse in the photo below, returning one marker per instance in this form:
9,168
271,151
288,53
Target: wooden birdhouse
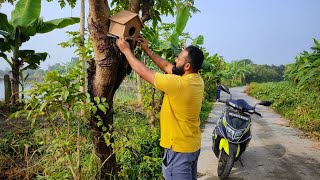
125,24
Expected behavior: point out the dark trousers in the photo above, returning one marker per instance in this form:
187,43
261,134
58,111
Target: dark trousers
180,166
218,95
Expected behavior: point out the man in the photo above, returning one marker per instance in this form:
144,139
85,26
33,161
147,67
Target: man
179,116
218,91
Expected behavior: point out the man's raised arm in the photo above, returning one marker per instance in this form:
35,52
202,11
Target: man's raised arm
163,64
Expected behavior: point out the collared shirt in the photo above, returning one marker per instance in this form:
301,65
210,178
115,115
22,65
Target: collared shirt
180,111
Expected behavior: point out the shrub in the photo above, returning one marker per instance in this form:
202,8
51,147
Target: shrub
301,107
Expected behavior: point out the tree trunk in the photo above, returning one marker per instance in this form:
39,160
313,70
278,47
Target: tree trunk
16,80
81,57
105,74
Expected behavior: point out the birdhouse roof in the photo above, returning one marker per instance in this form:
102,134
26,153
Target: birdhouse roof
124,16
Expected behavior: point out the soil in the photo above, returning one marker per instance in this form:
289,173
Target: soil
276,150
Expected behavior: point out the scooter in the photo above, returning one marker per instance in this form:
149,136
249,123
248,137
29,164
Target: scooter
232,135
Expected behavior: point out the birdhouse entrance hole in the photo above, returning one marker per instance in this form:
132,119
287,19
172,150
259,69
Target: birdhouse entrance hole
132,31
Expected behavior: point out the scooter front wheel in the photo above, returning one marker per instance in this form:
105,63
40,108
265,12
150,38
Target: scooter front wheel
225,165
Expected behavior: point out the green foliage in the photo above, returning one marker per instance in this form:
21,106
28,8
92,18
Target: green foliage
206,108
236,72
182,18
301,107
211,72
305,72
162,7
58,102
54,107
63,3
266,73
75,41
25,22
22,15
141,156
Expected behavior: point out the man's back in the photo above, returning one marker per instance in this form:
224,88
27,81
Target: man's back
179,116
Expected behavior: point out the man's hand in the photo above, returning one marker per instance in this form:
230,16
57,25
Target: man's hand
143,43
123,44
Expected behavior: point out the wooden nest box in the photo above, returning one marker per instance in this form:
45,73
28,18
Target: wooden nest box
125,24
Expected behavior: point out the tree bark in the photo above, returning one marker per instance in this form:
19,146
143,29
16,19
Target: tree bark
105,74
16,80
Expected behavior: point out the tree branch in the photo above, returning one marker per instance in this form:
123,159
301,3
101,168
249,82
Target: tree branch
147,5
134,6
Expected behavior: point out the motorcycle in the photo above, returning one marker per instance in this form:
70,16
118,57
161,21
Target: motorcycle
231,134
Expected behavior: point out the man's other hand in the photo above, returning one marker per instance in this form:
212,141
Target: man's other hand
122,44
143,43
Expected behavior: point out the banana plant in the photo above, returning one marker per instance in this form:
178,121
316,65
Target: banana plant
305,72
25,22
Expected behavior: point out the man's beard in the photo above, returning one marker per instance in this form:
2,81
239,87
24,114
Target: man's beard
178,70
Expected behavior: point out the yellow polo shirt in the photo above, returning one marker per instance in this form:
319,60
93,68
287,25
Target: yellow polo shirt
180,111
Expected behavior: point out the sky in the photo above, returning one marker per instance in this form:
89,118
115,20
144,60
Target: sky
266,32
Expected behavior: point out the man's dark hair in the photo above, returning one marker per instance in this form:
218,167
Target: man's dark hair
195,56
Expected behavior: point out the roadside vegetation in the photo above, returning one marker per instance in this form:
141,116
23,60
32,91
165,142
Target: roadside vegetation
298,97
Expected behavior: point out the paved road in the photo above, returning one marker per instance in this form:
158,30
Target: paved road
276,151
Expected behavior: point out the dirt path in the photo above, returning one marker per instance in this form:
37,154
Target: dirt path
276,151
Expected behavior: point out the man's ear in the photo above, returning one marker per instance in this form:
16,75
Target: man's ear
187,66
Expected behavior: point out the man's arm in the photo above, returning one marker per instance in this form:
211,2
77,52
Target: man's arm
135,64
163,64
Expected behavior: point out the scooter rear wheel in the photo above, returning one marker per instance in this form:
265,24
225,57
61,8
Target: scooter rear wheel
225,165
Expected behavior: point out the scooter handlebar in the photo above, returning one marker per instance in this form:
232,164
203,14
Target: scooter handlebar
258,114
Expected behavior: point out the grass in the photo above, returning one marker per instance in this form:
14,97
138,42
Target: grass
300,107
28,152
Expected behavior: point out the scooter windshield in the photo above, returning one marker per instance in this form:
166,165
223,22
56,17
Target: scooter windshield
240,104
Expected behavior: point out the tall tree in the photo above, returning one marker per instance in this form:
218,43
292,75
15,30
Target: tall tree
109,67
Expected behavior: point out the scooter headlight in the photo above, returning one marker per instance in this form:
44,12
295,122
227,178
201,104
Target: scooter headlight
233,134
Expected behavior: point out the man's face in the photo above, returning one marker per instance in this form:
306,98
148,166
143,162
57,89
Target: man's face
177,70
180,62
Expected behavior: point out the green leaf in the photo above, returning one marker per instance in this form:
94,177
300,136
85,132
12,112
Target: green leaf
4,24
103,99
56,24
33,122
316,42
107,137
94,109
102,108
4,56
174,38
97,99
43,105
182,19
198,40
29,114
65,95
99,123
33,59
105,104
25,12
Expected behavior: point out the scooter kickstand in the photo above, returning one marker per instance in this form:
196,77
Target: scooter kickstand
240,162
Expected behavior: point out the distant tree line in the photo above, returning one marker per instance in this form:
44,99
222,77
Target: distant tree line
38,74
241,72
266,73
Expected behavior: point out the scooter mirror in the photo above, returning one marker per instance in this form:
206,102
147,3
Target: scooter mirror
265,103
225,89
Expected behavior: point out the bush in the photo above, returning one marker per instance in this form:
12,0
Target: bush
301,107
142,156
